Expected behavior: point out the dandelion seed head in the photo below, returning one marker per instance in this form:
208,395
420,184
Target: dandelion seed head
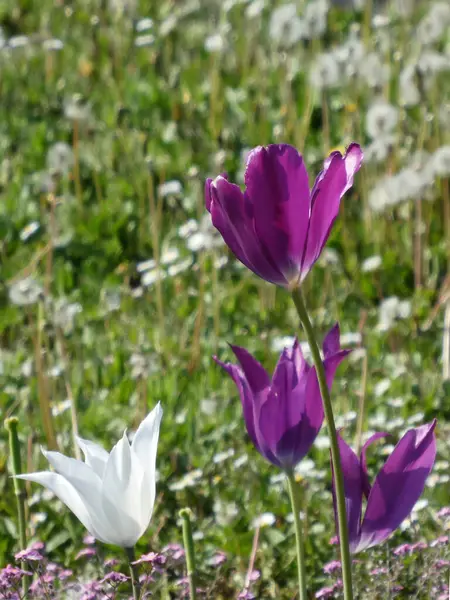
381,119
60,158
285,27
25,292
324,72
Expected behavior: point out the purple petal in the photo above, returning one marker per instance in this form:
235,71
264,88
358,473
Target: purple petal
297,441
285,403
278,189
331,343
296,355
256,375
398,485
331,184
230,216
246,396
365,476
351,471
332,362
307,414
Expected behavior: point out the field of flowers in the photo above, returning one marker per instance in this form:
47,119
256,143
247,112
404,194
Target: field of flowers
135,277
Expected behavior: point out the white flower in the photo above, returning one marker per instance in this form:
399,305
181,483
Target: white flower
408,89
286,27
265,520
434,25
254,9
378,151
112,494
144,24
25,292
324,72
373,263
53,44
170,188
215,43
315,18
440,161
430,63
144,40
60,158
381,119
392,309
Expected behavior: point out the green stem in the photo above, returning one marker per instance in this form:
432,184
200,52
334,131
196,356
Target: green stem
11,425
295,502
133,572
188,541
335,456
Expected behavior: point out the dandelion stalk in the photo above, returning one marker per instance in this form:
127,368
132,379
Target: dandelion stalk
295,502
362,405
299,302
188,541
133,572
11,425
69,392
43,391
155,232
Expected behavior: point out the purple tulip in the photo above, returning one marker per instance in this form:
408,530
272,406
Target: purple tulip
278,226
396,489
284,415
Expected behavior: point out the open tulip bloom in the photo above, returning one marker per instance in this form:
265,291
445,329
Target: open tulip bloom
395,491
278,227
283,415
112,494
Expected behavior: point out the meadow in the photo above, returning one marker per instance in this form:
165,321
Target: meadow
116,290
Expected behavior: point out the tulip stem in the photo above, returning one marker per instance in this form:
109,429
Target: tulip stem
133,573
299,302
185,514
11,425
293,494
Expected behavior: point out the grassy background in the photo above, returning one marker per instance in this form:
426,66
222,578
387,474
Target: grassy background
109,126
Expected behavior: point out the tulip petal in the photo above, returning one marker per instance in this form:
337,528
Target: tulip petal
278,188
283,408
144,446
351,471
331,343
256,375
121,494
297,441
145,440
398,485
230,216
88,485
331,363
296,355
365,476
246,396
94,455
84,479
68,494
331,184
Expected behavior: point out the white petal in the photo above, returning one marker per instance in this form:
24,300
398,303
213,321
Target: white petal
66,493
145,441
87,484
121,497
94,455
144,446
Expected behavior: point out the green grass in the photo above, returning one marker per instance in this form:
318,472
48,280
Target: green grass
174,111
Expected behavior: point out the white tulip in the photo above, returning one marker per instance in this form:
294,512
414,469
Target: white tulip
112,494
